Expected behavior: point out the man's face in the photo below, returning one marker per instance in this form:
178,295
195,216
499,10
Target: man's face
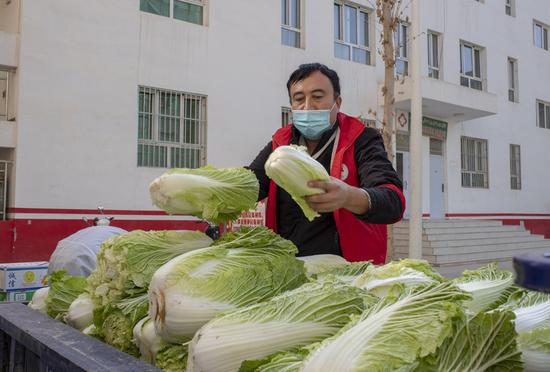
315,93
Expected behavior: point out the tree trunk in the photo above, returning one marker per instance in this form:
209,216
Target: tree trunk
388,56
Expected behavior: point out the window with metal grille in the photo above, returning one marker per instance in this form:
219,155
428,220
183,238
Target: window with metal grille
188,10
513,80
171,129
474,163
510,7
291,29
433,55
543,114
540,35
401,50
515,167
351,32
286,116
470,66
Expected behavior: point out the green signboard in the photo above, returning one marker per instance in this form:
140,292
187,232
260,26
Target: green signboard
434,128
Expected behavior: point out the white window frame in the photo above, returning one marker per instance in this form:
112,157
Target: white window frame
510,7
286,115
340,39
513,81
190,127
286,24
477,66
474,162
543,114
515,167
434,69
401,47
543,43
201,3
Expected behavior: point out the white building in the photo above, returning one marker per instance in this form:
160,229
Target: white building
101,96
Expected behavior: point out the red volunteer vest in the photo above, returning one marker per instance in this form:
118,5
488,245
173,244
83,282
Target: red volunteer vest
359,241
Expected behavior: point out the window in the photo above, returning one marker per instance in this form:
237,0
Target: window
159,7
188,10
171,129
401,51
3,189
540,33
513,80
286,116
4,94
290,23
475,171
543,114
433,55
515,167
510,7
351,33
470,66
436,147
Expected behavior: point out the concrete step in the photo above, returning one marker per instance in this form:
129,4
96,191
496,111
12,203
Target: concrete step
475,242
455,270
437,251
468,236
481,256
464,230
452,223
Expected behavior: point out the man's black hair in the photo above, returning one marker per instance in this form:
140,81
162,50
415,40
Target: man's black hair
307,69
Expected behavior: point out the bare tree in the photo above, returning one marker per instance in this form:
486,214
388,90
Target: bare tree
389,13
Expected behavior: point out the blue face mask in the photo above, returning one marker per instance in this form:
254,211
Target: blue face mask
312,123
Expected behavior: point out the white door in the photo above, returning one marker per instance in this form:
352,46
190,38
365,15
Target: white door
403,166
437,187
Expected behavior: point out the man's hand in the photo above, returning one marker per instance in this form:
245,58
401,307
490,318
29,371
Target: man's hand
338,194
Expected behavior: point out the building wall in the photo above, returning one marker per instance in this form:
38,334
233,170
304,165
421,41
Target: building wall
515,123
79,73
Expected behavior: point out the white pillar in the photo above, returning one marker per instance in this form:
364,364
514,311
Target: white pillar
415,202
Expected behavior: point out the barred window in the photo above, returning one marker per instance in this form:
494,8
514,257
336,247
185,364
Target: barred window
475,170
171,129
515,167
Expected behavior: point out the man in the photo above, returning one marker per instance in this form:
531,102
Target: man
364,192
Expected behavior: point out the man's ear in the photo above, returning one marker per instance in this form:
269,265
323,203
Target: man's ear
339,102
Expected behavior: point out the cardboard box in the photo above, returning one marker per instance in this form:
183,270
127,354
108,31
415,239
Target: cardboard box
17,296
22,275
